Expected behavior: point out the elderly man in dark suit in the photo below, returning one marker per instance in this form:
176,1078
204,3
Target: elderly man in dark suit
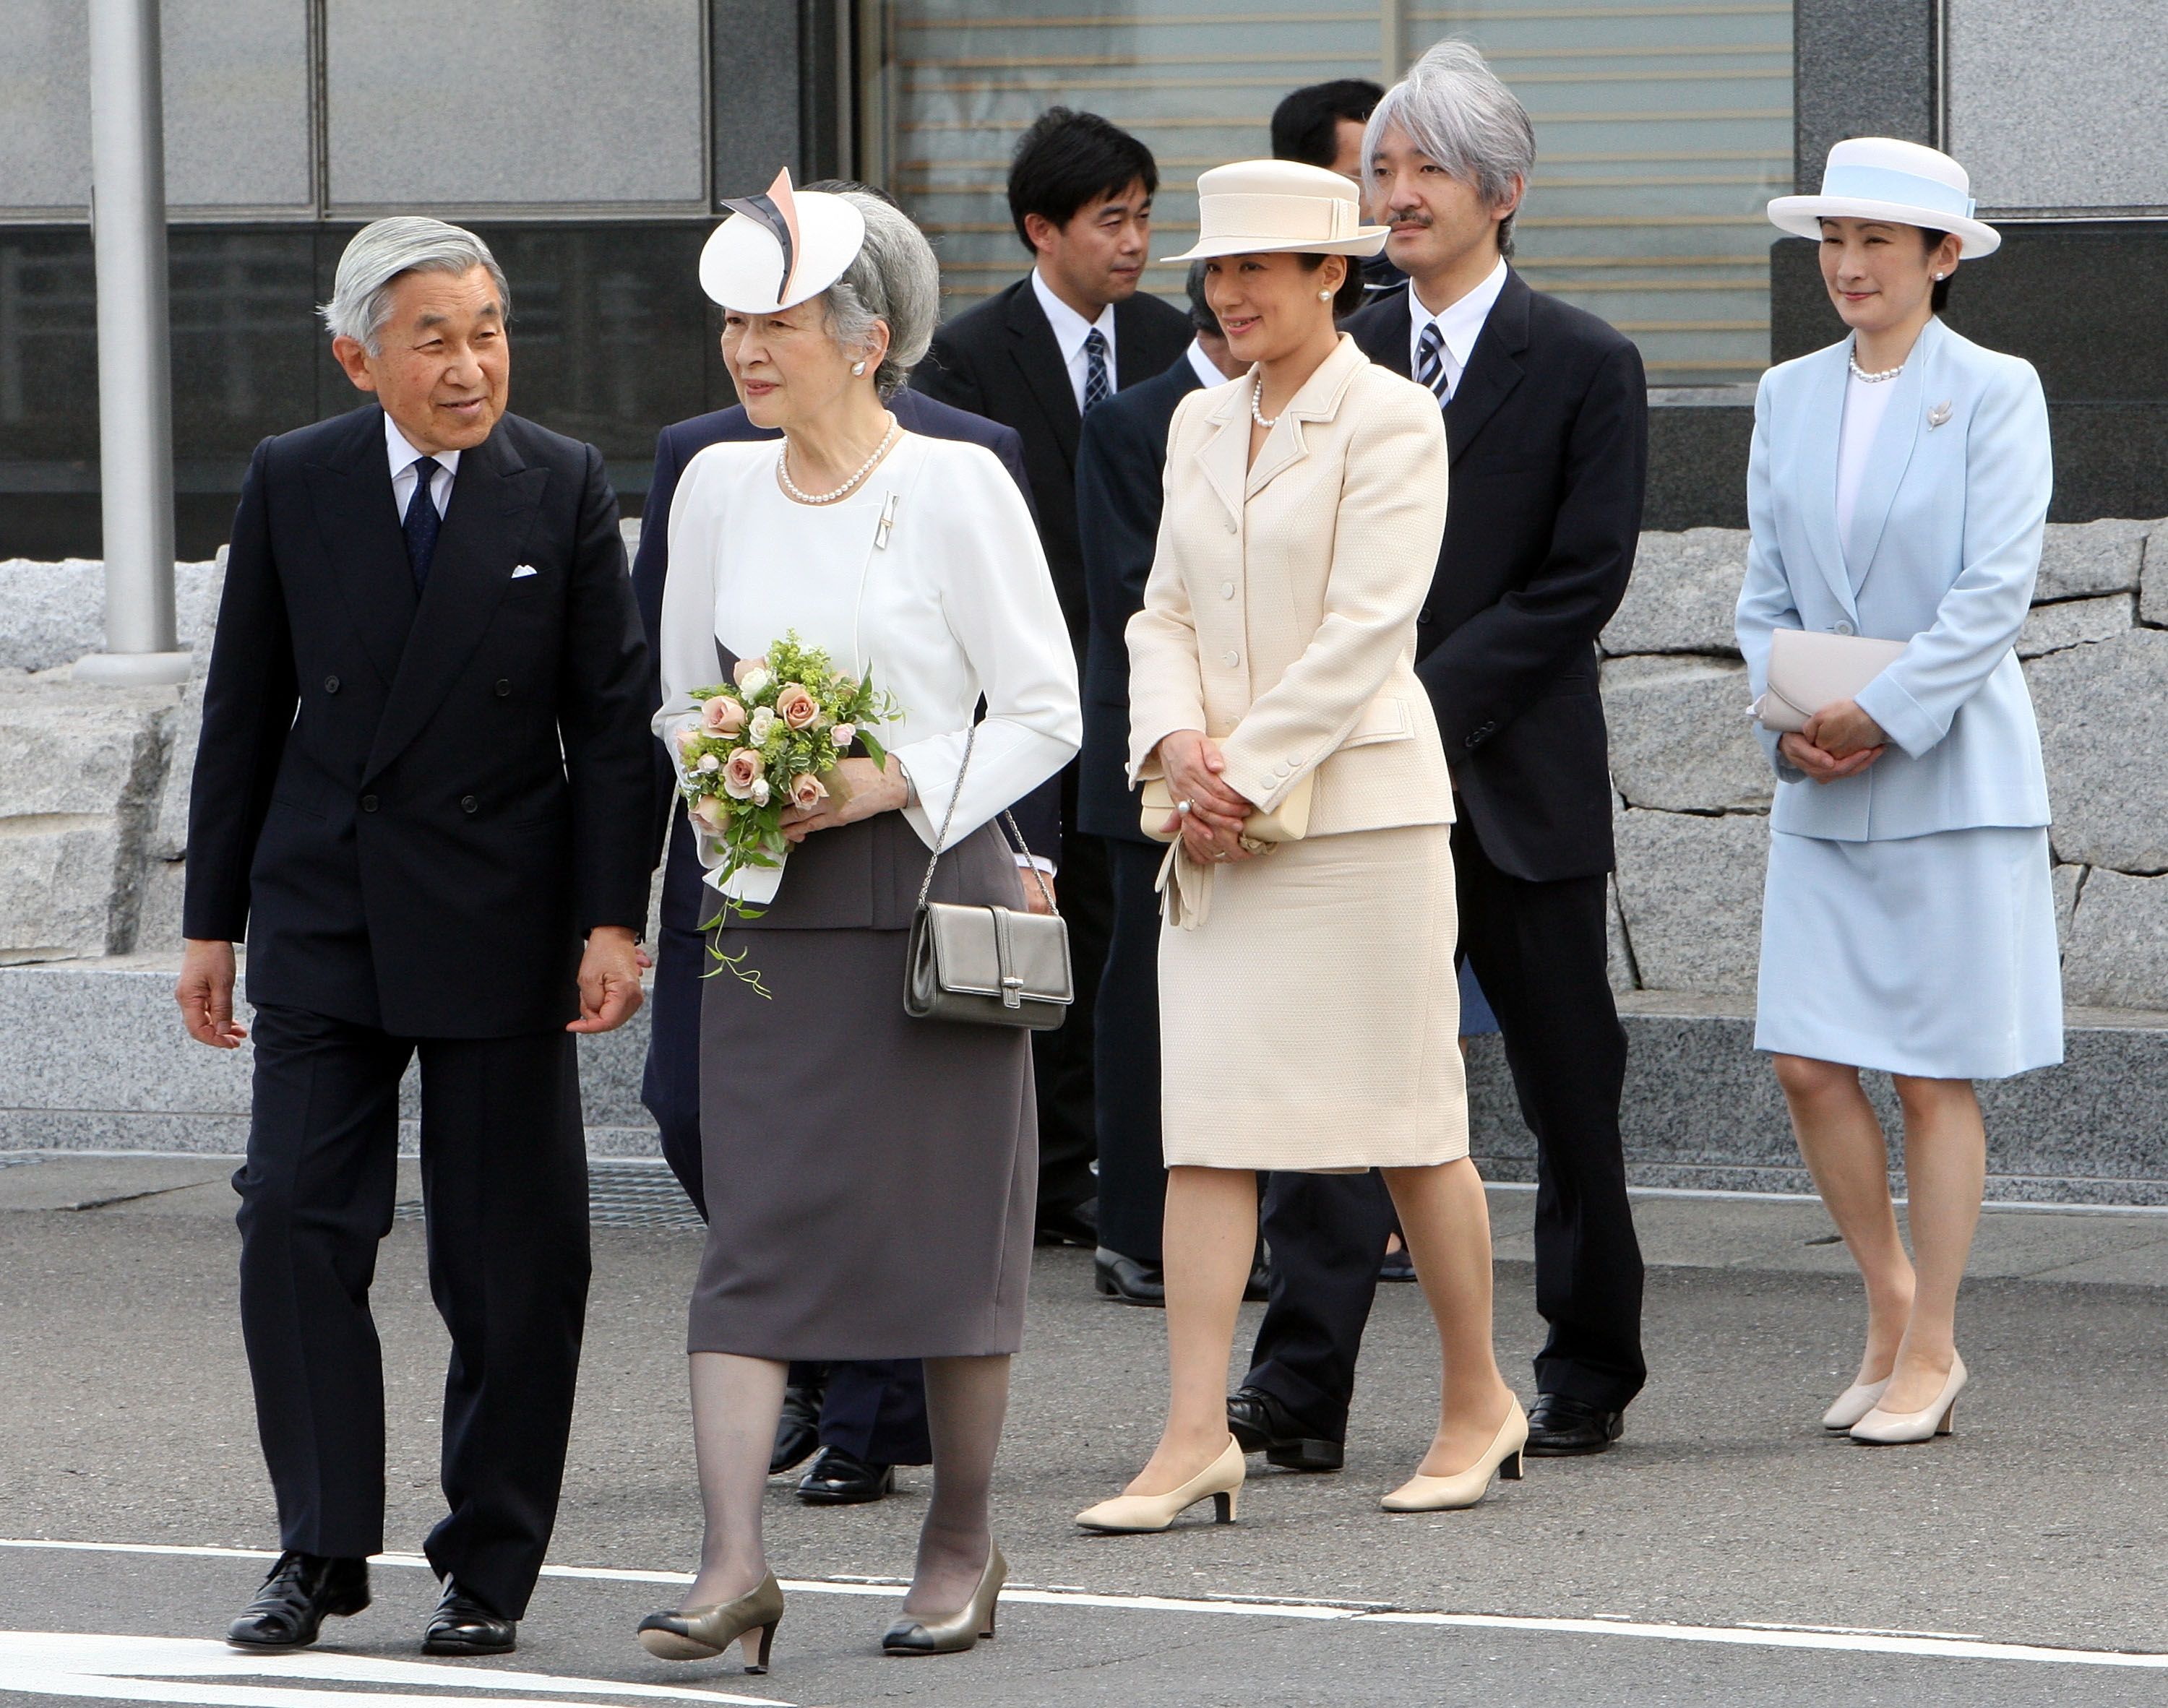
864,1417
1121,459
1040,356
425,776
1545,414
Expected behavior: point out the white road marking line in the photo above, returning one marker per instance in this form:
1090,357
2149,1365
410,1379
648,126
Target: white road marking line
1915,1646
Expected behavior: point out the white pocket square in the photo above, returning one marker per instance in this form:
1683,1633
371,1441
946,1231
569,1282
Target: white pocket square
524,571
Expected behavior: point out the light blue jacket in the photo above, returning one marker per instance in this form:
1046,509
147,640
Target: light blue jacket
1944,547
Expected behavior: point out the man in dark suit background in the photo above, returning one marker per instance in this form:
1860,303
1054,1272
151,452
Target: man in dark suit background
1545,413
1322,125
1039,357
425,776
1121,459
866,1417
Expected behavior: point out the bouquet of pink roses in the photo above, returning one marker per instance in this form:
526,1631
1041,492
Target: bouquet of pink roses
768,739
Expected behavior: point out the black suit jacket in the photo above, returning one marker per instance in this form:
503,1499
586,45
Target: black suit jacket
1039,815
1121,463
999,360
1549,434
412,810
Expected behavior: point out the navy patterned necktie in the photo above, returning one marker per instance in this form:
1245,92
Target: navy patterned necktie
422,521
1430,364
1096,388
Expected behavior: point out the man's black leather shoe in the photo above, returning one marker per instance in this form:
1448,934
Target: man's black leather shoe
797,1431
1069,1224
1398,1265
1559,1428
1130,1280
838,1478
463,1625
1260,1424
301,1592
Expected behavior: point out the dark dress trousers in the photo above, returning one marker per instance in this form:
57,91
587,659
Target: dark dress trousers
873,1410
1548,431
1120,458
999,360
413,808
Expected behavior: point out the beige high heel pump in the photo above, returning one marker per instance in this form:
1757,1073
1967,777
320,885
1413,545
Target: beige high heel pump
1881,1429
912,1635
1129,1514
1501,1458
702,1633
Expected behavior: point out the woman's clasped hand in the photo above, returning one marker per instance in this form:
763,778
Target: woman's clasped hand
1212,827
1839,741
866,788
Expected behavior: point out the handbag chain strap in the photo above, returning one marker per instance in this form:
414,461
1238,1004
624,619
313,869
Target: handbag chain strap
1008,817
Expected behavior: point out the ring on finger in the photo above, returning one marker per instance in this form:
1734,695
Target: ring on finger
1186,808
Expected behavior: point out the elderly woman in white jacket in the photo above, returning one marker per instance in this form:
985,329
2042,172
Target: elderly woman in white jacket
1898,490
872,1176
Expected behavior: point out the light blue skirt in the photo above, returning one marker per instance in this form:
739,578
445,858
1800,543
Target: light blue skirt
1929,955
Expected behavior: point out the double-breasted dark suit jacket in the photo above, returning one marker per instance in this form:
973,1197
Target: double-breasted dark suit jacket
1121,463
413,809
999,360
1548,431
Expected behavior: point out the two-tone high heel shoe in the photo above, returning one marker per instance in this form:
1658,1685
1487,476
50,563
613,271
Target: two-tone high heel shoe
1854,1403
1501,1458
912,1635
702,1633
1219,1483
1881,1429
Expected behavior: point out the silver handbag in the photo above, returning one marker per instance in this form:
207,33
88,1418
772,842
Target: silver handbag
990,965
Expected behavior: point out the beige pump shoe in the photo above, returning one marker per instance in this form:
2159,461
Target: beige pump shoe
912,1635
1854,1403
1503,1457
1220,1482
1881,1429
701,1633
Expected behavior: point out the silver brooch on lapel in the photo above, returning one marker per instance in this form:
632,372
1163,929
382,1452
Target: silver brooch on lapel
1936,415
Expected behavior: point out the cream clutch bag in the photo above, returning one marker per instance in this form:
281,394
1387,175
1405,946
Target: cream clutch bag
1808,670
1287,822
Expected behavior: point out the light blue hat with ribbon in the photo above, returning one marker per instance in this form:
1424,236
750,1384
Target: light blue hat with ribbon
1878,177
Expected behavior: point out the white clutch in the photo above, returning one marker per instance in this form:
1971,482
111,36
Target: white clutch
1808,670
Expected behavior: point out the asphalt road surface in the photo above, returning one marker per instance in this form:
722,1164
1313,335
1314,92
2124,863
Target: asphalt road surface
1725,1553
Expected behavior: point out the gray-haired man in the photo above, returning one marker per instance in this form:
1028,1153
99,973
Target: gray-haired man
424,779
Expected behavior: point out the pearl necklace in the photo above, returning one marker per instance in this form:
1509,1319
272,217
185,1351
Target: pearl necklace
1861,374
1258,415
849,486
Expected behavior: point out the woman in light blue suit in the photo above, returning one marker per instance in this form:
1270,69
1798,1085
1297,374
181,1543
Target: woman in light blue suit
1898,489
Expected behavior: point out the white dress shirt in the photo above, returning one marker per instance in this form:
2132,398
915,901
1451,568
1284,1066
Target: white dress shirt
403,456
1208,374
1069,328
1458,323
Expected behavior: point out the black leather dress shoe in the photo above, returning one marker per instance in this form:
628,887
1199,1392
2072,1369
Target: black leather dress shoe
1069,1224
838,1478
302,1591
1560,1427
797,1431
463,1625
1398,1265
1129,1281
1260,1424
1259,1286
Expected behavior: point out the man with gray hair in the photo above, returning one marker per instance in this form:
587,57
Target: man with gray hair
1546,419
421,800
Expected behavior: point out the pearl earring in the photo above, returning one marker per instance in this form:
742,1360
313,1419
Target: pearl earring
1325,296
857,368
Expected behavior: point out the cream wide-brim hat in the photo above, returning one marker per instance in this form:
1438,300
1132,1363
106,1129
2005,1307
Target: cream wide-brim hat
780,249
1259,207
1879,178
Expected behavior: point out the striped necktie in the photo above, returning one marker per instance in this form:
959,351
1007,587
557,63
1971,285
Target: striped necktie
1096,388
1430,364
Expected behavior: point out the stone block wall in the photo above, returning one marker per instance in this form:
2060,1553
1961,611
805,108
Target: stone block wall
1691,789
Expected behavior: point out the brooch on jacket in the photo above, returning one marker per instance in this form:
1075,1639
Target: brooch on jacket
1936,415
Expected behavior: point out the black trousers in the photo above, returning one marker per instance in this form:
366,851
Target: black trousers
1132,1174
1538,953
504,1178
1062,1064
874,1409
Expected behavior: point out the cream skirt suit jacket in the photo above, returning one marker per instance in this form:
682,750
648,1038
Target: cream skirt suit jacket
1309,1008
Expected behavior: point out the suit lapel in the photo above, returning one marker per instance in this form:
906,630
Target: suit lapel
1224,457
351,491
1824,420
1894,440
494,497
1136,355
1493,366
1038,357
1384,339
1319,400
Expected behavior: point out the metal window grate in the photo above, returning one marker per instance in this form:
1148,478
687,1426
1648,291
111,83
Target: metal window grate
622,1192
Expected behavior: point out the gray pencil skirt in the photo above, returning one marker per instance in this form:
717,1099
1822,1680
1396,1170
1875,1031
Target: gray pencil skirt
871,1178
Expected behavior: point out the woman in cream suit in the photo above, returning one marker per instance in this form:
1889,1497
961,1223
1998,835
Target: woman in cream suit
1898,489
1307,995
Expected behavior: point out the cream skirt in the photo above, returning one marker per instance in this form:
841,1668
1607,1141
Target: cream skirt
1312,1021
